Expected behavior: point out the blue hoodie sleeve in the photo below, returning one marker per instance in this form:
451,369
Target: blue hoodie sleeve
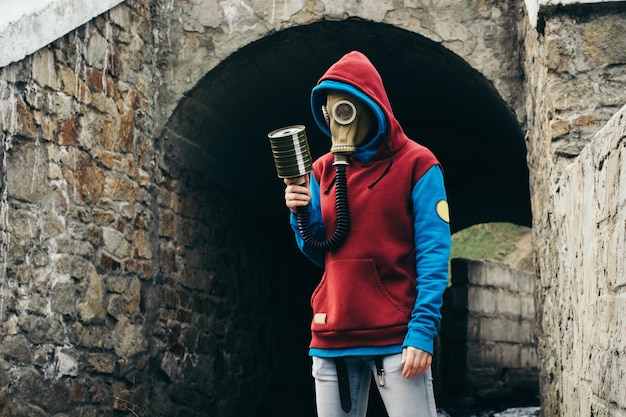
316,222
432,252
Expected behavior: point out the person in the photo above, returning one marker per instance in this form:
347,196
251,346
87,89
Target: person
377,307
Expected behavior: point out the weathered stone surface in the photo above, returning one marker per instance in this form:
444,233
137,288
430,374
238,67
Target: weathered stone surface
64,363
91,306
586,207
27,172
44,69
129,339
16,348
115,242
25,120
63,298
88,180
101,363
487,335
68,131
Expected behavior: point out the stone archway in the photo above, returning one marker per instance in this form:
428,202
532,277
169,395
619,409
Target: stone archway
441,101
217,139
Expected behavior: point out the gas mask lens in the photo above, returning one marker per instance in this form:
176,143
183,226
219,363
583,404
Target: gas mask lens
344,112
348,129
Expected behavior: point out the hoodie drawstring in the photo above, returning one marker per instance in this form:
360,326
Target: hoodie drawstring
330,186
388,165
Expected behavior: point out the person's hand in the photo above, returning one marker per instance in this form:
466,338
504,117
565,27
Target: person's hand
415,361
297,192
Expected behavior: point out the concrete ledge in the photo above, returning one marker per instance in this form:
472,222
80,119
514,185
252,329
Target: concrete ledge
534,7
29,25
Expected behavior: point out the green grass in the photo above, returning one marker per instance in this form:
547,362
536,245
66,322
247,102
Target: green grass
487,241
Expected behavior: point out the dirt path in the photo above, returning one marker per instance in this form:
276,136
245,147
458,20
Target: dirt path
524,248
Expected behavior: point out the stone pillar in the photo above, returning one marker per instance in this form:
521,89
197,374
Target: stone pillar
488,352
575,80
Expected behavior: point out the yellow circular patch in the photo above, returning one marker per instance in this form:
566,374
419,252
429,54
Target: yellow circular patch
443,211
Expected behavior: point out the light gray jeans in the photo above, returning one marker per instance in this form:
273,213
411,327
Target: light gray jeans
402,397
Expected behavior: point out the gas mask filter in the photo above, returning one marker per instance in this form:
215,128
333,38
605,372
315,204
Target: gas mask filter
350,121
290,149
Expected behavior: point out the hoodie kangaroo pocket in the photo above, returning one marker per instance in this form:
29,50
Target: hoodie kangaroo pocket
351,296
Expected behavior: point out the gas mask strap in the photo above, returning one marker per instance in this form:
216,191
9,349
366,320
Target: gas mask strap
326,115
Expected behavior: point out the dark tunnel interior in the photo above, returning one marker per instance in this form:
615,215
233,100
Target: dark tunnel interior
220,127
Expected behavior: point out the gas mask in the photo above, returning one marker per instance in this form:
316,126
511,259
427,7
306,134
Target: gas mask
351,122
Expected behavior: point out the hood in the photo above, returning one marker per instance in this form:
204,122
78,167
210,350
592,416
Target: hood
355,74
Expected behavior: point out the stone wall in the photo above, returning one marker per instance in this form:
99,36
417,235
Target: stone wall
128,286
575,72
77,219
576,80
583,282
488,353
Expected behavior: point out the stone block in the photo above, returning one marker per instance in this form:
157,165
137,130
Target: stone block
510,355
67,134
25,120
115,243
63,297
109,263
141,246
558,128
168,223
482,301
523,282
129,339
509,304
16,348
91,306
101,363
89,181
126,133
44,71
528,357
483,354
120,189
26,172
528,309
490,274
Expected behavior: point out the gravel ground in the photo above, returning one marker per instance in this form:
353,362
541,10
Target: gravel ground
511,412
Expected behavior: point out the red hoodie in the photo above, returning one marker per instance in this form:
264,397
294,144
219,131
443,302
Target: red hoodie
368,289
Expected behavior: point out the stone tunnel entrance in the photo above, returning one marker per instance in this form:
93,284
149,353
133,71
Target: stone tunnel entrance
216,146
